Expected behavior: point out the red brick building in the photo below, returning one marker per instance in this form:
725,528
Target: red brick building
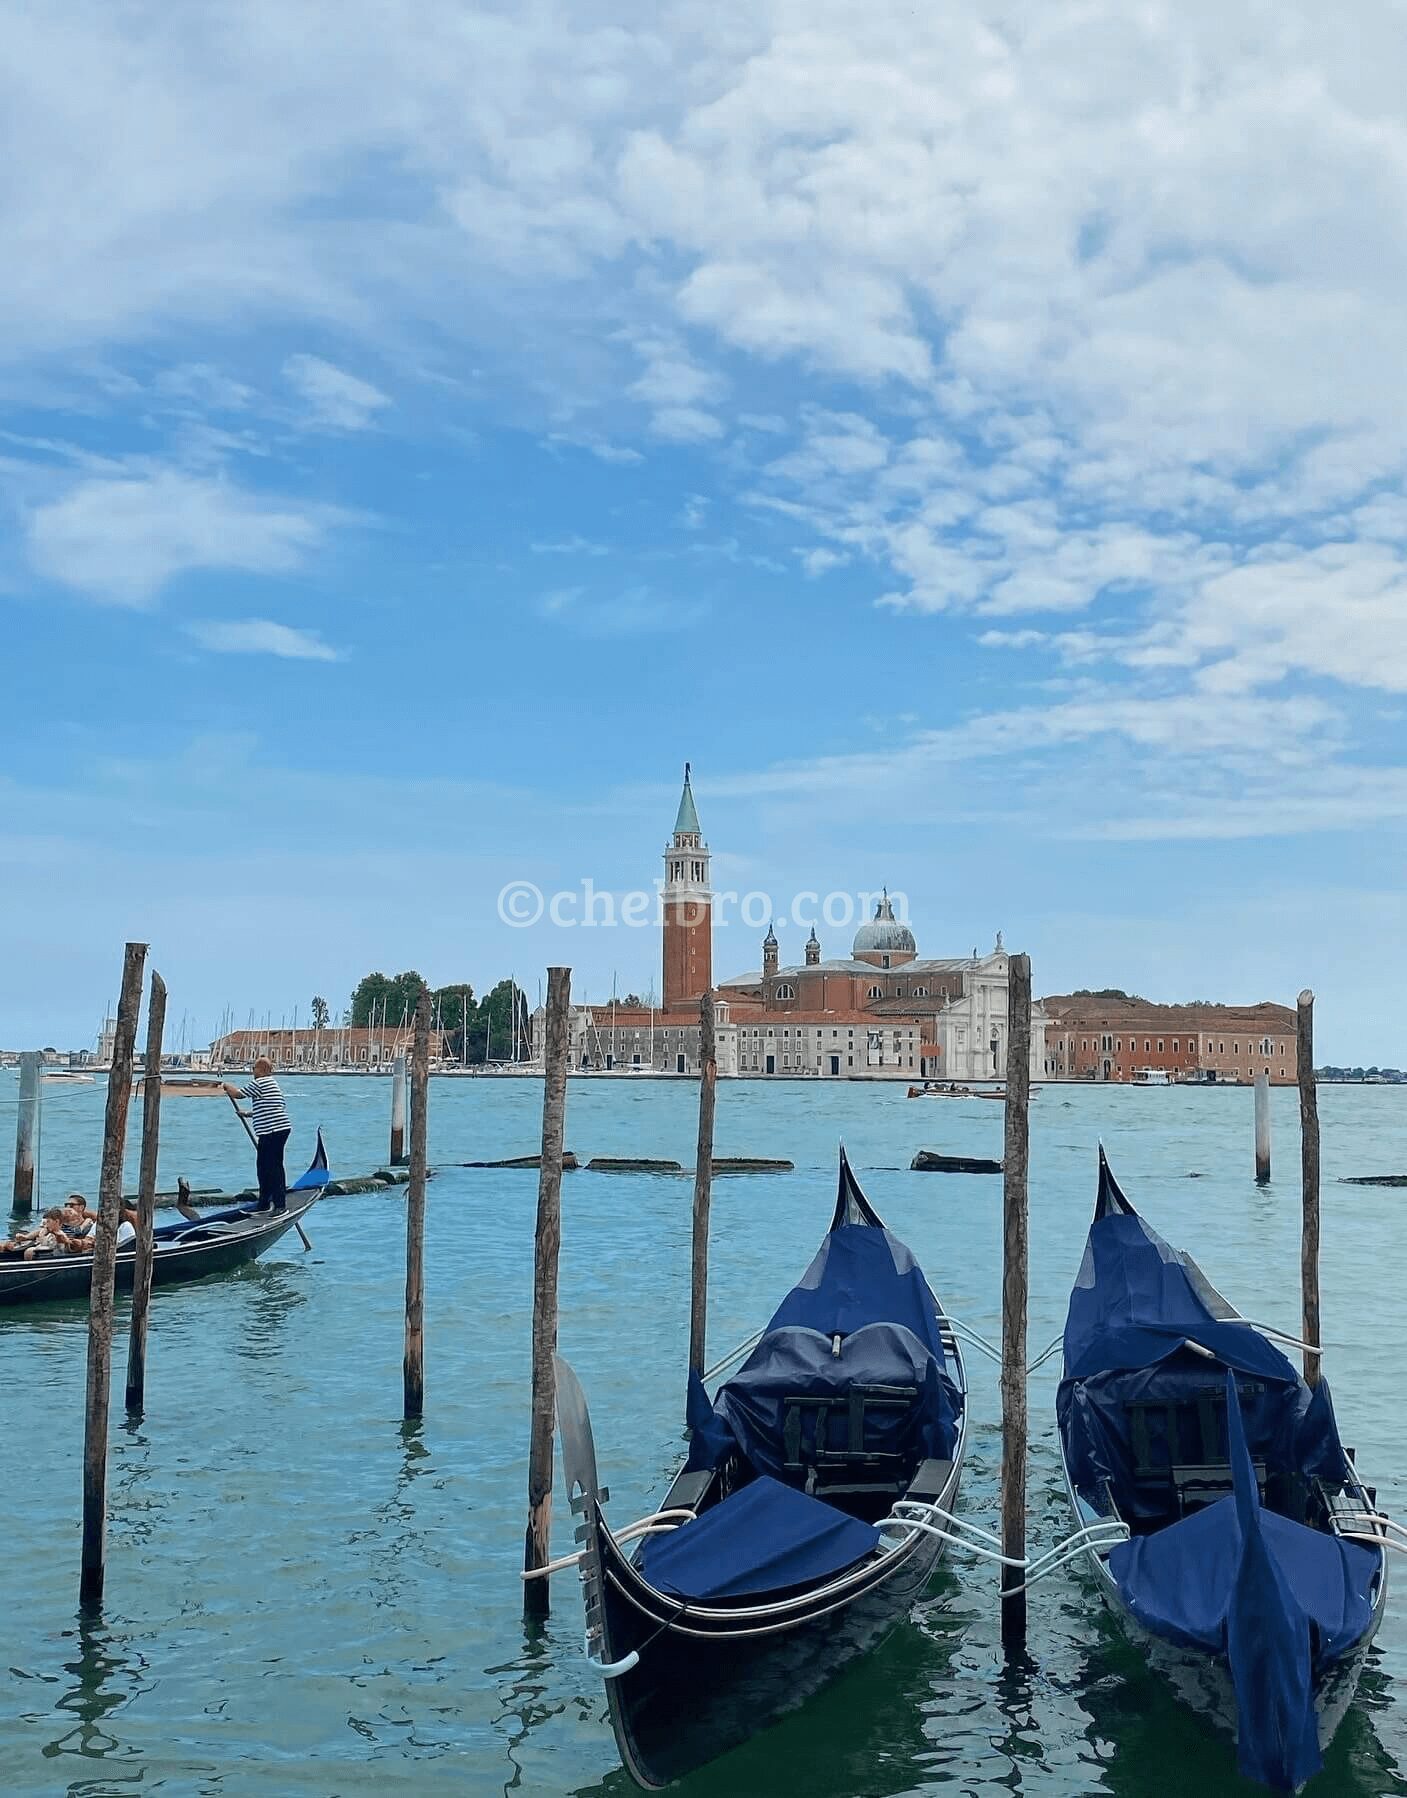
1123,1039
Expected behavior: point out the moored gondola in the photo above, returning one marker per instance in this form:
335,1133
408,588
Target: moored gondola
810,1515
1255,1574
187,1249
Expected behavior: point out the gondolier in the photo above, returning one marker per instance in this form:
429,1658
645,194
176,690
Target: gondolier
269,1117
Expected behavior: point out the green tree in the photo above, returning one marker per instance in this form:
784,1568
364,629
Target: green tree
391,999
320,1012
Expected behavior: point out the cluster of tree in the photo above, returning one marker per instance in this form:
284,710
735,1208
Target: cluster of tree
476,1029
1332,1073
1107,992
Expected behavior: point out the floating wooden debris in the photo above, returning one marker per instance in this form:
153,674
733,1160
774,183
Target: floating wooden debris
1373,1180
616,1164
569,1161
929,1161
751,1164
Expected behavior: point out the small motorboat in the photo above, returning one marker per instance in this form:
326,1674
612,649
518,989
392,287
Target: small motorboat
940,1089
65,1077
1255,1575
813,1508
182,1086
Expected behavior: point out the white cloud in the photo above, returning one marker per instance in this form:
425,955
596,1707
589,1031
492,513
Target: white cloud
637,612
121,539
336,401
261,636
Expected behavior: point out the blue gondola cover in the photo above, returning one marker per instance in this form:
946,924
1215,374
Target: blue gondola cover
1279,1600
1146,1327
862,1315
766,1537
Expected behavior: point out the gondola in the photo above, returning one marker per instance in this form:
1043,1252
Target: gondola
808,1518
1254,1576
188,1249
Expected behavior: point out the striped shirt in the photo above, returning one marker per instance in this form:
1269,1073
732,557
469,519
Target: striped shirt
266,1103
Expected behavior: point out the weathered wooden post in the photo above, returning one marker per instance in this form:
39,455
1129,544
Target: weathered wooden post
703,1184
414,1364
1262,1128
27,1132
1015,1248
119,1095
146,1197
537,1547
1309,1177
398,1112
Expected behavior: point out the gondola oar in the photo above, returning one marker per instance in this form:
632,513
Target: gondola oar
244,1119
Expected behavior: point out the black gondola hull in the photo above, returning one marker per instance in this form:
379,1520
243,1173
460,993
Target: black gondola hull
703,1686
42,1281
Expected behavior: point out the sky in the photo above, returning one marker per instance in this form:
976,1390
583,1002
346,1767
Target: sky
973,437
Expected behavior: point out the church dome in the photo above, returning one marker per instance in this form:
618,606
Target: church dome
884,934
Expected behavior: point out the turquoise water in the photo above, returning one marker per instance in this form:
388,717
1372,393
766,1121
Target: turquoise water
307,1596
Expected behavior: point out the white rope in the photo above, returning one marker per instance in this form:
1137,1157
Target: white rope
1282,1336
657,1523
919,1518
968,1334
1370,1526
734,1355
1042,1358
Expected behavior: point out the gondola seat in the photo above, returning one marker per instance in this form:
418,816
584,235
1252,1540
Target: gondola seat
764,1538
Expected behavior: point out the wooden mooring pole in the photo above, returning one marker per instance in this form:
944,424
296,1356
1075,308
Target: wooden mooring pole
100,1305
1262,1129
703,1184
1309,1177
537,1546
398,1112
1015,1283
146,1197
414,1365
27,1132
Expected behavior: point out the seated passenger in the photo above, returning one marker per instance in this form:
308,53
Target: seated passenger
79,1221
126,1227
49,1235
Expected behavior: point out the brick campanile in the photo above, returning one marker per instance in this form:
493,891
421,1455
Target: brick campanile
687,909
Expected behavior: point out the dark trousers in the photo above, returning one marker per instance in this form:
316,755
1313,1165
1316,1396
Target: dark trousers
273,1185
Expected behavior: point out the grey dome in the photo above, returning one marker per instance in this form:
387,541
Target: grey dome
884,934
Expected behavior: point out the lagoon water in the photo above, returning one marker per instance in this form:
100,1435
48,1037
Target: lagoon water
308,1597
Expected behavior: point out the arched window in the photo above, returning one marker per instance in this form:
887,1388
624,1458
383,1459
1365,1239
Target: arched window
920,992
875,992
785,991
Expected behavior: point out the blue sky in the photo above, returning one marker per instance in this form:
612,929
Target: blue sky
975,441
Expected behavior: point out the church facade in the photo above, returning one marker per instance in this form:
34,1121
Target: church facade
882,1011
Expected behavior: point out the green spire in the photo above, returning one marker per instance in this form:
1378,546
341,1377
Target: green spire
688,818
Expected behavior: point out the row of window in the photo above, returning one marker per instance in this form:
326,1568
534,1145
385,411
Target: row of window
1112,1045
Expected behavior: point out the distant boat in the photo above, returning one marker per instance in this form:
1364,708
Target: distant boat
1152,1077
944,1089
181,1086
65,1077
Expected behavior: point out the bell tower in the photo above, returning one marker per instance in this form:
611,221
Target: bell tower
770,952
687,907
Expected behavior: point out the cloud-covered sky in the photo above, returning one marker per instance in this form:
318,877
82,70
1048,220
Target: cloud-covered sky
974,436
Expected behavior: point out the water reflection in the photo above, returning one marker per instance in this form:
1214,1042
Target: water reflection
104,1680
275,1291
865,1734
1137,1728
